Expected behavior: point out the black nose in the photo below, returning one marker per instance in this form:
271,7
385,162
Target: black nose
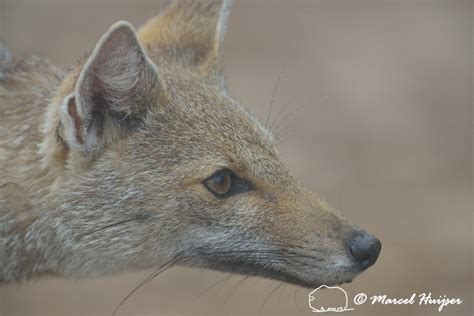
365,249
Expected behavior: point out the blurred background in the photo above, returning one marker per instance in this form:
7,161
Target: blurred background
380,125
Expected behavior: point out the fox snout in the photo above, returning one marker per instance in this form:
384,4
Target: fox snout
339,249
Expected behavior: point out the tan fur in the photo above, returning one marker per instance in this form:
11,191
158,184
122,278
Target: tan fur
191,29
114,179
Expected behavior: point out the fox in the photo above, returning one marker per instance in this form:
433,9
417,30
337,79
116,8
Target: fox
137,158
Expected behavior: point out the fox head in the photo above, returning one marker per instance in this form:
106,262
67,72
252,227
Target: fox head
154,160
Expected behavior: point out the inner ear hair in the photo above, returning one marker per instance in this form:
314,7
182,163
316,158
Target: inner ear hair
72,122
70,103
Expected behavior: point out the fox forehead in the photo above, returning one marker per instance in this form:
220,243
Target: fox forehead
222,133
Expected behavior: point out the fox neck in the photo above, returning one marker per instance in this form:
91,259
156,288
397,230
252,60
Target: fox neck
25,240
43,242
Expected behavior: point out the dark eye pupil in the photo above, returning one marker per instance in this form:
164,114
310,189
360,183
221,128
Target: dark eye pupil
219,178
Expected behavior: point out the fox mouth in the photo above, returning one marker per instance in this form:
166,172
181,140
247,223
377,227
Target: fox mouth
246,266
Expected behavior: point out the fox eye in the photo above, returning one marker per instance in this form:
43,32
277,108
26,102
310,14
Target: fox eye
225,183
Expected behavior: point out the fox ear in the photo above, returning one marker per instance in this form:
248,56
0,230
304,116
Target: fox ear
112,92
191,31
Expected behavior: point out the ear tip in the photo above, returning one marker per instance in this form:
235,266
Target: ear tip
122,31
121,26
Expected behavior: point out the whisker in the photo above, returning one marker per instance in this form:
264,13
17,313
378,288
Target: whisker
270,261
283,108
267,259
275,88
220,281
140,217
295,300
268,296
279,126
298,289
283,138
148,278
283,254
282,291
276,243
234,287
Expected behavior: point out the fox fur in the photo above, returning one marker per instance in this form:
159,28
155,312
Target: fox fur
102,165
